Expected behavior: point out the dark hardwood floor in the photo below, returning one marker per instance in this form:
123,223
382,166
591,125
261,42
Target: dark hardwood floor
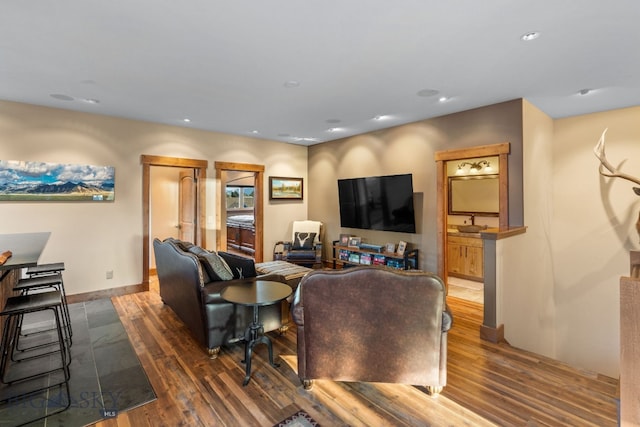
488,384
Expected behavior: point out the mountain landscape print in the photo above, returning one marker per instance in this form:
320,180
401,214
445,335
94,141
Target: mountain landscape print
39,181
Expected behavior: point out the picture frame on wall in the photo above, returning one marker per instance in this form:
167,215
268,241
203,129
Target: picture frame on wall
55,182
285,188
402,246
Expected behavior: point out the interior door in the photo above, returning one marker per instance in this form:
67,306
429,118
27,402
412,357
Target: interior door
187,206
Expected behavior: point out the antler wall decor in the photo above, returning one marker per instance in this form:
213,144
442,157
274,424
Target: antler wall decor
613,172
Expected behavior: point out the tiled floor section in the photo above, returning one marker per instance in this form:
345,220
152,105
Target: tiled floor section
466,289
105,373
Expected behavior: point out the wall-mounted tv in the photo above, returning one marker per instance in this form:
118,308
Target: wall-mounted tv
377,203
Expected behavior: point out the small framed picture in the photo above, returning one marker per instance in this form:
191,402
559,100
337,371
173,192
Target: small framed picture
390,247
402,246
354,242
282,188
344,239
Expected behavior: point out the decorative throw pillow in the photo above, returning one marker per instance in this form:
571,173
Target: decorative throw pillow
185,246
214,265
303,240
242,267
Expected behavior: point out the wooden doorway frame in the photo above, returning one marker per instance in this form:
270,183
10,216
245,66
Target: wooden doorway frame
200,167
502,151
258,205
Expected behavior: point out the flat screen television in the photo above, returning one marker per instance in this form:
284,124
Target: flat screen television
377,203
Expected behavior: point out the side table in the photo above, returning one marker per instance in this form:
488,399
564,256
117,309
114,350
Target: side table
256,294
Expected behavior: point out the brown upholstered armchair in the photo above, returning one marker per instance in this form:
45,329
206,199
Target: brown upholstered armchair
372,324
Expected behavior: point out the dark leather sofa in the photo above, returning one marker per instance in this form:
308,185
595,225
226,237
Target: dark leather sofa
372,324
194,295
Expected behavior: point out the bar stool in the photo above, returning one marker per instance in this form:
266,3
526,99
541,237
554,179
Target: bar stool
38,275
13,374
39,283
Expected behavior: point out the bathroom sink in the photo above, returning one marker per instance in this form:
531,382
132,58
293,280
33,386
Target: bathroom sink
471,228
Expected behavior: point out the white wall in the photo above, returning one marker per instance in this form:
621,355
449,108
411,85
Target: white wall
92,238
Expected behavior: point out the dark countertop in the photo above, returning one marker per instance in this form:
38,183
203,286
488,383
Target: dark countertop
26,249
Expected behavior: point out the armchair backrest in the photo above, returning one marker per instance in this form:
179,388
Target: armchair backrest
307,226
371,324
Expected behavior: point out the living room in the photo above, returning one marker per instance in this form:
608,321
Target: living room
558,294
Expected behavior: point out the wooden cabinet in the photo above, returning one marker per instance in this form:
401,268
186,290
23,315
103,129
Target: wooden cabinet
347,256
465,257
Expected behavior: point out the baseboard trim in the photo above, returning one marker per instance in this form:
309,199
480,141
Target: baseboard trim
107,293
494,335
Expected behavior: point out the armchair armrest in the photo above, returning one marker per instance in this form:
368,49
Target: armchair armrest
447,318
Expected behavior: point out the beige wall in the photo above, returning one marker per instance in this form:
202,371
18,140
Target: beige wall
92,238
526,298
592,233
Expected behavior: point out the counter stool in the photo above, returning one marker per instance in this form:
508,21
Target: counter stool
13,374
45,269
39,283
52,269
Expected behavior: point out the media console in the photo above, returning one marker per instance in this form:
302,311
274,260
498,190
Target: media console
349,256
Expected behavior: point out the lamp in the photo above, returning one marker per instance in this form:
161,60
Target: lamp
474,167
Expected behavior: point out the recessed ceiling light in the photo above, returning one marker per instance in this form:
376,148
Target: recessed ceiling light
334,129
291,83
255,132
428,92
381,117
61,97
443,99
308,139
530,36
187,120
91,101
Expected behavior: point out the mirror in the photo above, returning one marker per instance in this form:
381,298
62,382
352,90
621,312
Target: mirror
474,195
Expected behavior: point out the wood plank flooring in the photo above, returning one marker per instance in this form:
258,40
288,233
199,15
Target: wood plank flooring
488,384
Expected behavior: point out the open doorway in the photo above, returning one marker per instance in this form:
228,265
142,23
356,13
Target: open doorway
196,179
229,234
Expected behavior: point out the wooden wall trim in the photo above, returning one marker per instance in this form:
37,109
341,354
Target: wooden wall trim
230,166
471,152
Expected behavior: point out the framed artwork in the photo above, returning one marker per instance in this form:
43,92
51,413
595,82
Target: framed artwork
55,182
354,241
344,239
402,246
390,247
282,188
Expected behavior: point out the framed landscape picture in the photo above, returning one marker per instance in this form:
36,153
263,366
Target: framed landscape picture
39,181
282,188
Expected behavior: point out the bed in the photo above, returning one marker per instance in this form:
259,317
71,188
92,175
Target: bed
241,233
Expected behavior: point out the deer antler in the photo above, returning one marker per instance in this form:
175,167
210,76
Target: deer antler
613,172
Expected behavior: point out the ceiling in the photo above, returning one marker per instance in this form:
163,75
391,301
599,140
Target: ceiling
309,71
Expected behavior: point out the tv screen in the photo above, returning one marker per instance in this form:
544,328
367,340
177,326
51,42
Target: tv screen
377,203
